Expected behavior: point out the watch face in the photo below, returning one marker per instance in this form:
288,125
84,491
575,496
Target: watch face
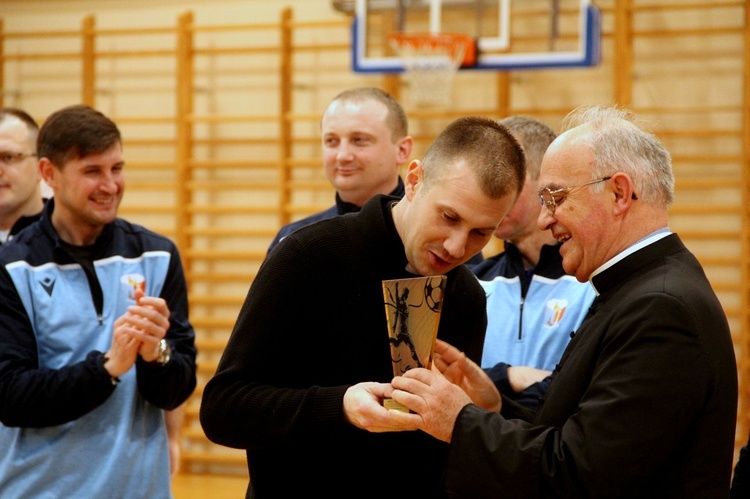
165,352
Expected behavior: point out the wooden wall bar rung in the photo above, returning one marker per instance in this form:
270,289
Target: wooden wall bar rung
223,323
704,183
704,209
152,186
213,457
226,28
209,255
719,261
243,163
703,110
217,300
30,35
711,235
131,209
686,5
305,162
698,134
237,50
689,32
120,54
229,210
228,185
208,118
56,56
230,231
210,344
220,278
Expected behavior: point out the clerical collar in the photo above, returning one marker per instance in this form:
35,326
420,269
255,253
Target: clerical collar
641,243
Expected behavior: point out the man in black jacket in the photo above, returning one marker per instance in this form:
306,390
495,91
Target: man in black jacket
299,383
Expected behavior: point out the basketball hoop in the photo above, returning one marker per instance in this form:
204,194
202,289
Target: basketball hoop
431,60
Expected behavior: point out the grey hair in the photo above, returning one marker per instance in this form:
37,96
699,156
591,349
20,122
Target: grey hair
620,143
534,136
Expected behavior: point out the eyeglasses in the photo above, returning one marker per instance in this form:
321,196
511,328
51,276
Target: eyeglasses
8,158
550,199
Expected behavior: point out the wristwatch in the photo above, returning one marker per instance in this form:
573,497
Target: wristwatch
165,352
103,360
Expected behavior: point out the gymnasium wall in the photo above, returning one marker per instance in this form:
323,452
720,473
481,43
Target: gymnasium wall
219,103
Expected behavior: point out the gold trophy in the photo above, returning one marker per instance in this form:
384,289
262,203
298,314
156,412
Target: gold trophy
412,310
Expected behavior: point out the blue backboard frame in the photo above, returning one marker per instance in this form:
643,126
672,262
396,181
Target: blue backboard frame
588,53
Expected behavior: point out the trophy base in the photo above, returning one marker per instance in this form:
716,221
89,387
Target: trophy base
392,404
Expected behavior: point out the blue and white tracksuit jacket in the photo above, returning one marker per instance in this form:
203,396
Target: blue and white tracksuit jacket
530,315
67,430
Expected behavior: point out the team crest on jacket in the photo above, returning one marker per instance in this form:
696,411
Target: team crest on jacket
131,283
554,311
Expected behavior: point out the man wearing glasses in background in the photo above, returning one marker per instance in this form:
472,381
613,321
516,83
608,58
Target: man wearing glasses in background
20,192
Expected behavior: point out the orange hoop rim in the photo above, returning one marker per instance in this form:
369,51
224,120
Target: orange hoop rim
434,40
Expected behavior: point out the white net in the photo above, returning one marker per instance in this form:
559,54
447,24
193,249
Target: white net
430,62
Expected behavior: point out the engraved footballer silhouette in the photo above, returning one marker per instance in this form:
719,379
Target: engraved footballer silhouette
412,326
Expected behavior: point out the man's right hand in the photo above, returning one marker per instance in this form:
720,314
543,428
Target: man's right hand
363,407
466,374
123,352
522,377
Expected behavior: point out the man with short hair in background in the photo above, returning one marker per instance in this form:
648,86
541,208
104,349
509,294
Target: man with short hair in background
365,142
20,192
532,304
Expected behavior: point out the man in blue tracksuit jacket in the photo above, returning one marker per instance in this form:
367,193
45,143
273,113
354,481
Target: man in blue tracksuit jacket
532,305
94,338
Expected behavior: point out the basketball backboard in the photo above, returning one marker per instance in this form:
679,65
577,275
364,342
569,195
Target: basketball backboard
509,34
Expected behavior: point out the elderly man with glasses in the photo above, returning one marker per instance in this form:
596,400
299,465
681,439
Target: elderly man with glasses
20,193
644,400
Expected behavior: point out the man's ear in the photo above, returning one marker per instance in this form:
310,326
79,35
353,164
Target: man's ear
47,171
405,146
624,192
413,178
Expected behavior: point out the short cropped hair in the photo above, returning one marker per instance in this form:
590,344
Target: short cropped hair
75,132
620,143
488,148
396,118
534,136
